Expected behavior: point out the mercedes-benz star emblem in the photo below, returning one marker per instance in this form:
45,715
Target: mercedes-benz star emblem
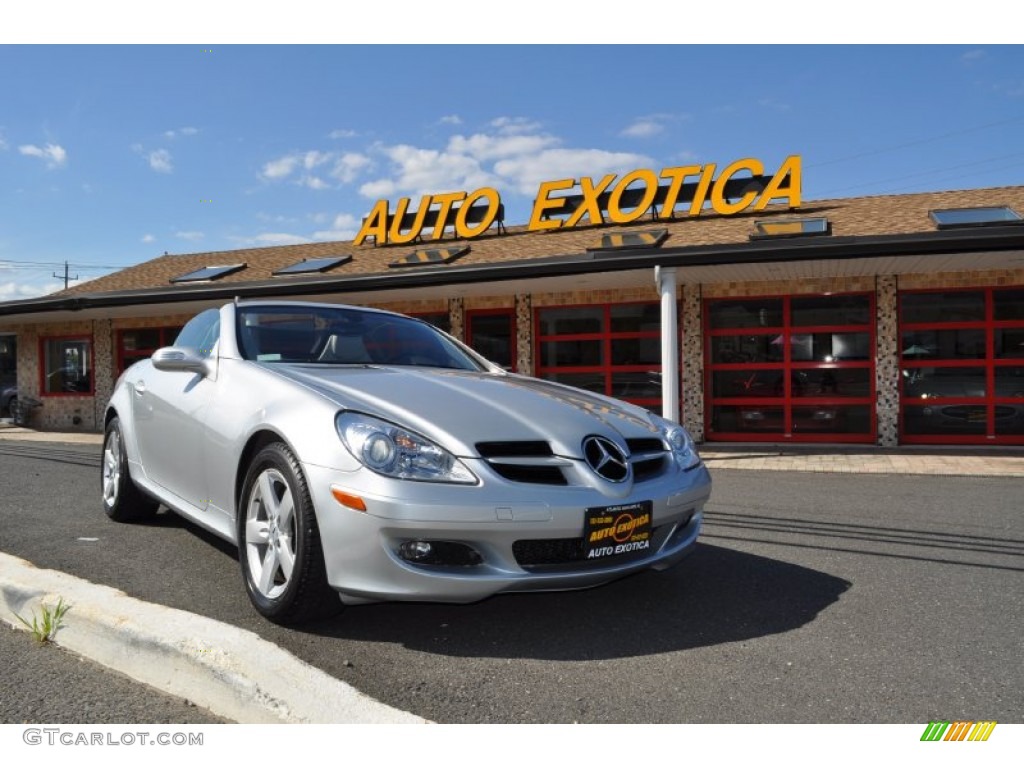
606,458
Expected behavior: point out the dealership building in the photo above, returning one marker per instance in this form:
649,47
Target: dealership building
713,294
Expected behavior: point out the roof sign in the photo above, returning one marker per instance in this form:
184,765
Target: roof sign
429,256
648,238
802,227
208,273
950,218
307,266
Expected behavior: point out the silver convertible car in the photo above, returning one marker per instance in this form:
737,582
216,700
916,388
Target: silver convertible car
366,455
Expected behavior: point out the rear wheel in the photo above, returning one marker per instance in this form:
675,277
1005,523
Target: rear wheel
279,542
122,501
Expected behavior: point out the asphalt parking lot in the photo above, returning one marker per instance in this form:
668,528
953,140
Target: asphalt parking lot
812,598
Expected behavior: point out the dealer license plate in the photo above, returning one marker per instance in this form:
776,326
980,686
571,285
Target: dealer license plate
620,530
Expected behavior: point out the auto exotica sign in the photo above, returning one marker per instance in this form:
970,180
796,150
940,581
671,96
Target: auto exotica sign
613,199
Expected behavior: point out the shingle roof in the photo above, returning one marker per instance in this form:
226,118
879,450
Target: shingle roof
850,217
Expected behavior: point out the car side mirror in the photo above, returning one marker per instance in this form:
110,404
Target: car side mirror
180,359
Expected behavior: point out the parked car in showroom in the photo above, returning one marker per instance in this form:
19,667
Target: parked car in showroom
361,454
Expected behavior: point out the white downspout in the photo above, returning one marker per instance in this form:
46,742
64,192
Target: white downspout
665,279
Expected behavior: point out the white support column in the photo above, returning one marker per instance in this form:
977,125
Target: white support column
666,282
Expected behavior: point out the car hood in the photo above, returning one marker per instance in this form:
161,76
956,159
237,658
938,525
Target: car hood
458,409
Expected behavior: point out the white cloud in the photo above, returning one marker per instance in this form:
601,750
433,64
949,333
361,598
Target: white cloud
643,128
974,55
342,133
191,235
268,239
187,131
507,125
528,171
348,166
484,147
3,143
344,227
160,161
313,182
450,120
278,169
147,238
54,154
12,291
345,167
420,171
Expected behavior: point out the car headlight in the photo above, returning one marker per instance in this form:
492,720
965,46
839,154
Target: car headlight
395,452
679,441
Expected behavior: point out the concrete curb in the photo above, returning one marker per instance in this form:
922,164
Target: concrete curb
230,671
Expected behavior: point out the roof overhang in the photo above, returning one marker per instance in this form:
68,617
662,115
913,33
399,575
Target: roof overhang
937,251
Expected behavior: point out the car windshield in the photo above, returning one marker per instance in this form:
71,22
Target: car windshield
345,336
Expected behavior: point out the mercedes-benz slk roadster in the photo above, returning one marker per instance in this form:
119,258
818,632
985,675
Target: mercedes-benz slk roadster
361,454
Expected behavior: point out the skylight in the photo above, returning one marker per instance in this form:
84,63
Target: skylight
208,273
647,238
803,227
307,266
429,256
950,218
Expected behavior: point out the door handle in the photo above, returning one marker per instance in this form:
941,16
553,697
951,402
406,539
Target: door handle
140,387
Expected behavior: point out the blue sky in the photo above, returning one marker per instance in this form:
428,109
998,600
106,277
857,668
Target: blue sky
112,155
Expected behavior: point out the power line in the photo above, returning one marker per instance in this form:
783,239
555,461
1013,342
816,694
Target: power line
916,143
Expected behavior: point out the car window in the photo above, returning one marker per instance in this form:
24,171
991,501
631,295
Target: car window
201,332
345,336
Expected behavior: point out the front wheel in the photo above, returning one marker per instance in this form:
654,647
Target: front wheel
279,542
122,501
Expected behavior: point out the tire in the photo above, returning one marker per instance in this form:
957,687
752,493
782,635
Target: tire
122,500
279,545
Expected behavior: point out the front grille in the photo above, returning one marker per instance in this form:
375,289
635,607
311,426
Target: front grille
547,551
648,457
523,461
533,461
504,449
645,445
525,473
645,469
536,554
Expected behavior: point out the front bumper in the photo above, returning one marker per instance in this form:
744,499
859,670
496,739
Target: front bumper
360,548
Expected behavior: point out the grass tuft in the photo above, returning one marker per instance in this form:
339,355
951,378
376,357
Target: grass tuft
44,628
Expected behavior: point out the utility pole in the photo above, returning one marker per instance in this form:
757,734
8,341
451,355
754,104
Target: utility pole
66,278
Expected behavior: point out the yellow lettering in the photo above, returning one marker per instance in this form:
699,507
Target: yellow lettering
791,172
446,201
678,176
702,189
590,206
615,212
375,225
544,204
718,201
395,234
462,229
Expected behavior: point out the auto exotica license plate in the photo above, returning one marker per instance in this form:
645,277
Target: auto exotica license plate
621,530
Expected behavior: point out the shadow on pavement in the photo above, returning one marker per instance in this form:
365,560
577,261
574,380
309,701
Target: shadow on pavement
717,595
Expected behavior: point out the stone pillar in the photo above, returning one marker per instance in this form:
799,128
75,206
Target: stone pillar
104,364
457,318
887,362
524,334
693,362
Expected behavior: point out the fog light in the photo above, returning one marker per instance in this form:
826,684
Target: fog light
416,551
439,553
